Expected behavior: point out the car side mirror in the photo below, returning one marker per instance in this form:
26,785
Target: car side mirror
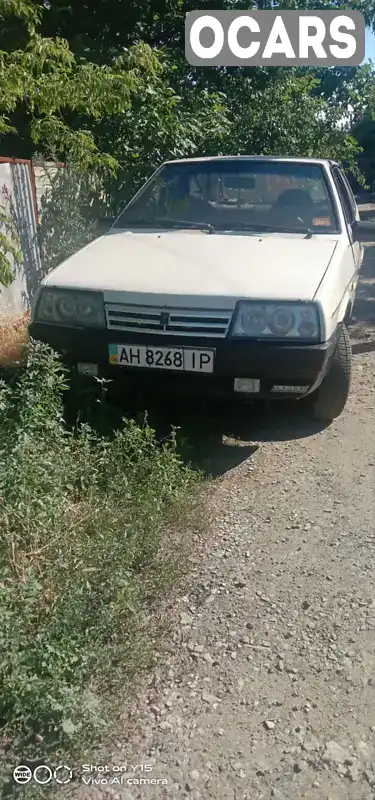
363,231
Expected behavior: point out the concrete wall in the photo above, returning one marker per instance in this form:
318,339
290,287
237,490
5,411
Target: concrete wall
18,200
12,299
44,173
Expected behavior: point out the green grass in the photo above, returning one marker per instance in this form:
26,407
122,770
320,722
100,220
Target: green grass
84,556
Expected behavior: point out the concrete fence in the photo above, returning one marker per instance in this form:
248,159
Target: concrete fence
22,186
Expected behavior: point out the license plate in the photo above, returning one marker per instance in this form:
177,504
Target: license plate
182,359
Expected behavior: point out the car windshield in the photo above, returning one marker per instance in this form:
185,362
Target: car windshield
232,194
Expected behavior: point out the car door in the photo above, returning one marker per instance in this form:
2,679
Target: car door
358,248
351,213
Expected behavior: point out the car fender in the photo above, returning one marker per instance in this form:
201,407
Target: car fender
336,292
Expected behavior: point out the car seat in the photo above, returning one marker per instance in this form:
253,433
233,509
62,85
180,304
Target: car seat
294,198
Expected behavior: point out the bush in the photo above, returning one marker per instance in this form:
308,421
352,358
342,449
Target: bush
81,552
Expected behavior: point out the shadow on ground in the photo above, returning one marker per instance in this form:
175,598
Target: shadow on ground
362,330
212,437
217,438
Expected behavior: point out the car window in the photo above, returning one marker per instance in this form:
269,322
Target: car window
290,196
344,196
349,190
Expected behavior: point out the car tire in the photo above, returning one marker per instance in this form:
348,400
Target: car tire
329,399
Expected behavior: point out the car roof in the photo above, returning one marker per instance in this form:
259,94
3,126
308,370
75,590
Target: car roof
291,159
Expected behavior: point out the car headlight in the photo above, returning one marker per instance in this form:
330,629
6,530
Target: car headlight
69,307
276,320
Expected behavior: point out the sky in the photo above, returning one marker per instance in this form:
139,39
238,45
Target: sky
370,46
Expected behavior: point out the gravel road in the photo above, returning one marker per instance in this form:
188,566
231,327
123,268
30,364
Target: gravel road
268,684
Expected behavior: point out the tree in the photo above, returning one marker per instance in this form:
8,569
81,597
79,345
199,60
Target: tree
117,87
54,100
352,89
364,133
44,85
99,29
116,93
117,118
289,118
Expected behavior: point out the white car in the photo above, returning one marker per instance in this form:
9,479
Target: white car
224,277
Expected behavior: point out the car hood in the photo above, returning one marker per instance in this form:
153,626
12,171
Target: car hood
195,264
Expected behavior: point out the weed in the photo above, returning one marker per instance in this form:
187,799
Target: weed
13,338
82,520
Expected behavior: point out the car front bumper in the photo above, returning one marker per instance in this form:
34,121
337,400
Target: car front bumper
274,364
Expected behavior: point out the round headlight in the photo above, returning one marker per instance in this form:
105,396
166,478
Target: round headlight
66,307
89,312
306,329
254,321
282,321
48,305
86,312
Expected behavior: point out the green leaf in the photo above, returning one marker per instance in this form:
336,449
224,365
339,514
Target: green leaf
68,727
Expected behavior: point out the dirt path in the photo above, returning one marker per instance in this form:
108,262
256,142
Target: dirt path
268,689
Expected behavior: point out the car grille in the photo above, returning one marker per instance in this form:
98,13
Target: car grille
175,321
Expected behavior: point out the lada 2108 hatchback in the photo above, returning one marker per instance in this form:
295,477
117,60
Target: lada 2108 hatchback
224,276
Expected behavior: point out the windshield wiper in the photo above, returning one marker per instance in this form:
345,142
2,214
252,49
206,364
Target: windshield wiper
161,222
181,223
244,226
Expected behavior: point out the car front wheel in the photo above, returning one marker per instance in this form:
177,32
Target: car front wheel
329,399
